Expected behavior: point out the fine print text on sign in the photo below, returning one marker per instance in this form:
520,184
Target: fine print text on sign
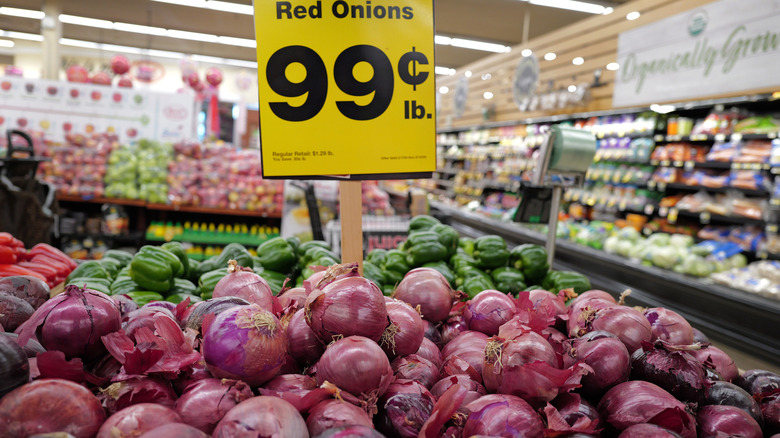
346,87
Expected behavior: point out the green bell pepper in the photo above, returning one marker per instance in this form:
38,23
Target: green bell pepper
207,281
508,280
233,251
98,284
154,268
466,272
377,256
490,252
90,269
123,257
559,280
176,249
444,269
461,260
124,272
277,255
448,237
423,247
112,266
144,297
396,261
194,267
123,285
422,222
275,279
531,259
476,284
466,244
373,273
391,277
179,297
295,243
182,286
387,290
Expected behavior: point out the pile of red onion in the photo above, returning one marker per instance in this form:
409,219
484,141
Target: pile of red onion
337,358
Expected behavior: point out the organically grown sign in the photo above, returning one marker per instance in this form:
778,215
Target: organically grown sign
727,46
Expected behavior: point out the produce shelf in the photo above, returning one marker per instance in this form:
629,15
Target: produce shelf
745,321
189,209
100,200
652,185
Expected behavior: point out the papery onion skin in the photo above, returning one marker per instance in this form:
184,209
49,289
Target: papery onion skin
646,430
177,430
14,367
452,328
676,371
726,421
413,367
243,283
31,289
167,305
295,297
352,306
502,415
357,365
213,306
430,351
400,386
50,405
758,381
628,324
432,333
770,409
302,343
591,294
335,413
290,382
404,334
463,380
404,415
669,326
126,304
581,312
144,317
13,311
245,343
428,289
469,346
726,393
136,390
715,358
488,311
206,401
262,416
603,352
572,407
137,419
354,431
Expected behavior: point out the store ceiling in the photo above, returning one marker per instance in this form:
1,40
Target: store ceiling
498,21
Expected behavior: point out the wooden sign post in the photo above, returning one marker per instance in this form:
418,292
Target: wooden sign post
351,214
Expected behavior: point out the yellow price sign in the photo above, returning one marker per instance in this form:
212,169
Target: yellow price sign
346,87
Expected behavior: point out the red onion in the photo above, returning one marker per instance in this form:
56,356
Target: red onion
295,297
311,283
454,326
502,415
603,352
427,288
556,339
353,431
357,365
144,317
591,294
245,343
400,386
299,390
50,405
474,389
637,401
262,416
539,309
726,421
177,430
432,333
569,413
443,410
193,373
630,326
669,326
404,334
646,430
543,298
758,382
352,306
700,337
581,312
31,289
206,401
243,283
488,310
73,322
770,410
136,390
430,351
334,413
167,305
302,343
328,275
456,366
413,367
714,358
403,415
126,304
469,346
31,349
13,311
14,367
137,419
290,382
212,306
726,393
676,371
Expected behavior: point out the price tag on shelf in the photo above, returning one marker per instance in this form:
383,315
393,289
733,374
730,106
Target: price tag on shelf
665,163
672,216
689,165
705,218
720,137
678,164
336,77
654,162
658,138
736,137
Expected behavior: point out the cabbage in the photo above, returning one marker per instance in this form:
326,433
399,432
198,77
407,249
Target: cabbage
665,257
659,239
611,244
738,261
630,234
624,247
681,240
697,266
638,250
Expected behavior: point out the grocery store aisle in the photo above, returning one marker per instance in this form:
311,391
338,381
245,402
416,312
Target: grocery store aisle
747,362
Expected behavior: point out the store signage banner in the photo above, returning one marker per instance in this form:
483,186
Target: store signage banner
346,87
59,108
723,47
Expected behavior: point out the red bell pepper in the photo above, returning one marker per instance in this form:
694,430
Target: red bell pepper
47,271
7,239
62,269
7,254
7,270
56,254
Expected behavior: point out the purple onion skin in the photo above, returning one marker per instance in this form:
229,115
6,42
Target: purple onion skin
137,419
357,365
144,317
13,311
757,382
432,333
400,386
177,430
247,285
354,431
126,304
262,416
715,358
167,305
430,351
727,420
628,324
700,337
677,371
136,390
31,289
573,407
213,306
488,310
452,328
50,405
206,401
770,410
729,394
429,289
334,413
406,331
469,346
302,343
245,343
31,349
502,415
669,326
352,306
413,367
404,415
459,379
291,382
14,366
646,430
603,352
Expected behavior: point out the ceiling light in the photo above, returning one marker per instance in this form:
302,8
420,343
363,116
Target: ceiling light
444,89
137,28
578,60
486,76
194,36
572,88
549,56
526,52
84,21
613,66
6,43
607,11
632,15
443,40
479,45
573,5
487,95
242,42
21,35
214,5
662,109
446,71
467,73
24,13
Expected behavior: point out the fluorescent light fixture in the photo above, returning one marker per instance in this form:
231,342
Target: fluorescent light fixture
467,73
633,15
241,42
578,60
662,109
607,11
549,56
612,66
470,44
487,95
80,43
6,43
572,88
84,21
194,36
443,40
446,71
24,13
486,76
137,28
573,5
21,35
444,89
527,52
214,5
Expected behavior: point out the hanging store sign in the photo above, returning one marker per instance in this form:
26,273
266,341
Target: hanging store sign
526,94
723,47
346,87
